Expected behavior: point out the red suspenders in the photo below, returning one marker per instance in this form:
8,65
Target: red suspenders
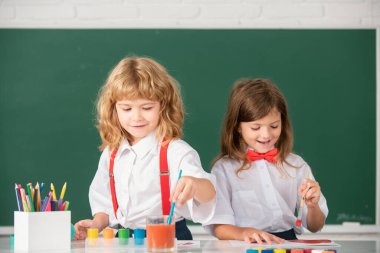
164,180
112,182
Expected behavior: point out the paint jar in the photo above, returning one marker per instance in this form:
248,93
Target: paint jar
108,236
139,236
123,236
160,234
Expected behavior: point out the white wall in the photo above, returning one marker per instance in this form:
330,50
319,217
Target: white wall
190,13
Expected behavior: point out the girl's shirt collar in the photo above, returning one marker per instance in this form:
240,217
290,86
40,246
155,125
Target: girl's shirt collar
250,148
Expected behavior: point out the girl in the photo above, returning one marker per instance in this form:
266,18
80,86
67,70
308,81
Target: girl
140,118
257,175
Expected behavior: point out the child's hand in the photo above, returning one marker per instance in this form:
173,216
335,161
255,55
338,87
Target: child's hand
184,190
252,235
81,228
311,192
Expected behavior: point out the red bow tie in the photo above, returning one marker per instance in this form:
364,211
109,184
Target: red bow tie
270,156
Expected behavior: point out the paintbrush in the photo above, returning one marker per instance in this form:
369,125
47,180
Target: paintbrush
302,204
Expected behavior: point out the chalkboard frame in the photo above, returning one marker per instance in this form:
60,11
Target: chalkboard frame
51,94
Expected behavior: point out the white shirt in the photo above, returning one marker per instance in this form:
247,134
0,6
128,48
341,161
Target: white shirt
137,182
261,197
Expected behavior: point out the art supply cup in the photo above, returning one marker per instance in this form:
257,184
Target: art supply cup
160,234
139,236
108,236
123,234
42,231
92,237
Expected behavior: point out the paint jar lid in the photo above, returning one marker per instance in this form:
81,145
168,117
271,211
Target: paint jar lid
123,233
255,250
279,250
108,233
92,233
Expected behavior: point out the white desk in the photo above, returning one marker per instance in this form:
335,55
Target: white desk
207,246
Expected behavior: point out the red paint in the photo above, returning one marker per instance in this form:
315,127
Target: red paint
311,241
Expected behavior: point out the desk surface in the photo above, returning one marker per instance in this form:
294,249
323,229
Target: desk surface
207,246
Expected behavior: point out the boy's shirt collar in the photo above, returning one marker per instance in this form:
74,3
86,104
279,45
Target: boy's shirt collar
147,144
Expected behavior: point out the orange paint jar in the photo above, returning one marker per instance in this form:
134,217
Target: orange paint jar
160,235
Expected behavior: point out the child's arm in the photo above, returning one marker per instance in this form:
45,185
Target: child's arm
200,189
100,221
249,235
315,219
311,191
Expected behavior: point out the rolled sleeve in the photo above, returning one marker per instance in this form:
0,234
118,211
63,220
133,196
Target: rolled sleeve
224,213
203,212
183,157
99,192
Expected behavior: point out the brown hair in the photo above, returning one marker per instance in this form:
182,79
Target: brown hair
251,100
133,78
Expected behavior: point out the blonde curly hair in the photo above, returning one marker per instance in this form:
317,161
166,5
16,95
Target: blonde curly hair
134,78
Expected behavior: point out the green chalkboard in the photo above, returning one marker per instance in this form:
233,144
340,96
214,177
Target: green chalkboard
49,81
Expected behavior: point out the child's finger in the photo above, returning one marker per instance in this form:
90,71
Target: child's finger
247,239
257,238
306,190
314,198
277,239
302,187
305,193
313,190
86,223
82,235
266,238
79,236
310,192
77,227
185,194
81,228
177,190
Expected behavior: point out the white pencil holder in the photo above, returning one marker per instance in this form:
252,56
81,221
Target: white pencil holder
37,231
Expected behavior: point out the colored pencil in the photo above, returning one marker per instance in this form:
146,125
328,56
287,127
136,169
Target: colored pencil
46,202
62,194
53,190
23,198
67,205
38,196
30,198
41,189
18,198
